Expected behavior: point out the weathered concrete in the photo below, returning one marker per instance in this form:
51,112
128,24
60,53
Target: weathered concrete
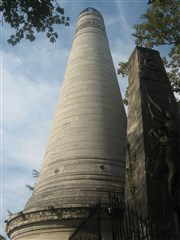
85,156
152,143
85,153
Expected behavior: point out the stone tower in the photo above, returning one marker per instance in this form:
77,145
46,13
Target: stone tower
153,163
85,156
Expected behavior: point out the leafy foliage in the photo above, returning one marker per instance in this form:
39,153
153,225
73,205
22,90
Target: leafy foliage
31,16
161,1
160,26
123,69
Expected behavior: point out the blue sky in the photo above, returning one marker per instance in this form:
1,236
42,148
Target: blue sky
31,77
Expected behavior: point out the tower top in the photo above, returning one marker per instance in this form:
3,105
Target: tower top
90,10
90,18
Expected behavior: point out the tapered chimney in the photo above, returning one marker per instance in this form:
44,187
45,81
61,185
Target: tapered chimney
85,155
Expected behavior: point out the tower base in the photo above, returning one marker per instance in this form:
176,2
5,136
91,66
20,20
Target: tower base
56,224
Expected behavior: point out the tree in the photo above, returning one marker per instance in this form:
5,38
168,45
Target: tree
29,17
160,26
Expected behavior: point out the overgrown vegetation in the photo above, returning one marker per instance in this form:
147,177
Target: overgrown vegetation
160,26
30,17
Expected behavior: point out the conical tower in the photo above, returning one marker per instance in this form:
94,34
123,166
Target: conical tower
85,156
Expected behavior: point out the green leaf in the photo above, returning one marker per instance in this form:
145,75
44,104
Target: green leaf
60,10
48,34
52,39
123,69
55,35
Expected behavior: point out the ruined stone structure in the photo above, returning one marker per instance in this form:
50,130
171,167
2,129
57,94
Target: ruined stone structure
152,164
85,156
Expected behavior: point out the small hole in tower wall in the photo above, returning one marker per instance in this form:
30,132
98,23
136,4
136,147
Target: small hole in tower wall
102,167
56,170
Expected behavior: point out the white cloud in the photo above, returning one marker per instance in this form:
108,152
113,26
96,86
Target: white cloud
16,189
124,27
23,98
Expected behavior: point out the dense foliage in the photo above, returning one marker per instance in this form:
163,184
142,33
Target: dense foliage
31,16
160,26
